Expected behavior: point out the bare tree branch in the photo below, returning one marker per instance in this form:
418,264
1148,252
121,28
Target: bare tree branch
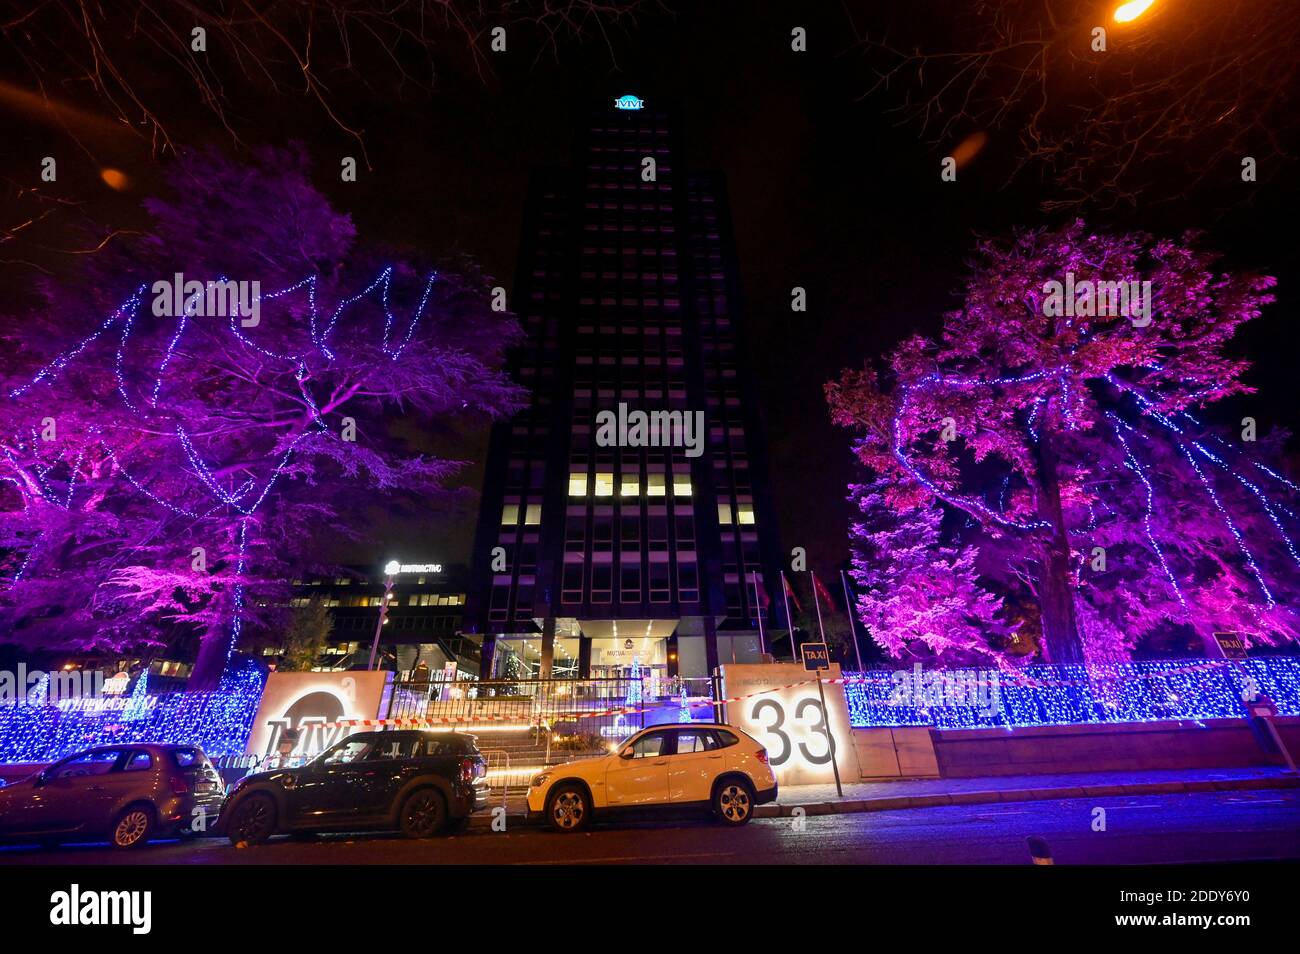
291,46
1179,96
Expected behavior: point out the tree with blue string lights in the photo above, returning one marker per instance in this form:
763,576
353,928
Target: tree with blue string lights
1067,440
169,470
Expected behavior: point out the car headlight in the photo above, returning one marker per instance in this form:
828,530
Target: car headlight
540,780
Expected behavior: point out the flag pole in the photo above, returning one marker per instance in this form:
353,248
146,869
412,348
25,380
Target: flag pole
789,620
821,694
758,605
848,608
817,603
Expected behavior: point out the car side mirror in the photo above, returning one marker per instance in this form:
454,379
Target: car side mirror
627,753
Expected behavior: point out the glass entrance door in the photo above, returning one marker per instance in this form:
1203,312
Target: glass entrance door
625,659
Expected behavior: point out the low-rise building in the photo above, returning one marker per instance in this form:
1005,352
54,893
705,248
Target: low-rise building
421,628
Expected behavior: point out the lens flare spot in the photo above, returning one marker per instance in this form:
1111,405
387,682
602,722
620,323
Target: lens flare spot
115,179
969,148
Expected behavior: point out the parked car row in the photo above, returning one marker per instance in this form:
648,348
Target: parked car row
420,783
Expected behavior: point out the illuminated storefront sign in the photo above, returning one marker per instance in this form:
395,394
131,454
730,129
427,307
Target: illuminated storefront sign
306,703
629,102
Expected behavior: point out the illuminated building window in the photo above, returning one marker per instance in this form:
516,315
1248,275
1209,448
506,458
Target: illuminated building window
604,483
724,513
577,485
631,485
681,485
745,514
533,515
510,514
654,485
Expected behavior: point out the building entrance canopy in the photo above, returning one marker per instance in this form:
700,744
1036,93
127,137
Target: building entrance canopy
627,628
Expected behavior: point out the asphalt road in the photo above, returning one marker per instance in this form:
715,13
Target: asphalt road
1201,827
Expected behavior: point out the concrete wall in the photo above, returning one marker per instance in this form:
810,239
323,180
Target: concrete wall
899,752
1219,743
1044,750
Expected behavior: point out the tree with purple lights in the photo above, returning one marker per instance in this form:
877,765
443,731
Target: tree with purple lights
921,599
173,472
1195,528
1056,428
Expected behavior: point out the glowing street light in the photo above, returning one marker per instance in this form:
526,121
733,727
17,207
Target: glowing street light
1130,11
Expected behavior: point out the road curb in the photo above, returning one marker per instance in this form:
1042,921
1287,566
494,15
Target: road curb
851,806
890,803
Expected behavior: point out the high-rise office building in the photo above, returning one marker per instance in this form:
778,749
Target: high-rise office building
608,541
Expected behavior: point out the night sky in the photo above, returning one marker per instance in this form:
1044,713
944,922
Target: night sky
829,191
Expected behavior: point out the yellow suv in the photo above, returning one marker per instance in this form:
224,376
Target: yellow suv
694,765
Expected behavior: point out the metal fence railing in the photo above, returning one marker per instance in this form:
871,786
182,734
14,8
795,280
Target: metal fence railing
526,725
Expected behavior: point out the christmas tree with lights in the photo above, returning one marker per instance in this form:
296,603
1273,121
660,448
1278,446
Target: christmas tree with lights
634,688
683,705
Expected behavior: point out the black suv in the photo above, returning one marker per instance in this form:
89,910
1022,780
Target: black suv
415,782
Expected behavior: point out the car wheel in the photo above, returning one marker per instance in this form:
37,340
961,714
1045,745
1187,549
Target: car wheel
132,828
423,814
252,821
568,808
733,802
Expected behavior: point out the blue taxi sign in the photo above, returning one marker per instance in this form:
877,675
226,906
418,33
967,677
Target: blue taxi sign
815,656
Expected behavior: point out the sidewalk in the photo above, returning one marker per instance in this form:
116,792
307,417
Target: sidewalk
896,794
931,792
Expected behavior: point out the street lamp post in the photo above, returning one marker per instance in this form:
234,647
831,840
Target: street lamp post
390,571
